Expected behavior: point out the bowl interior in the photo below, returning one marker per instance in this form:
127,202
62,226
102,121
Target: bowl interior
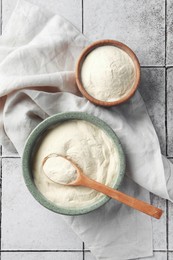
81,59
32,143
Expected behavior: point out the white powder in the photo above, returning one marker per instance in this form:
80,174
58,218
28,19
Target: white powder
108,73
90,148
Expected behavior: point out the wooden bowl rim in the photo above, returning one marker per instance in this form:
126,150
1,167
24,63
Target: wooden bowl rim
82,57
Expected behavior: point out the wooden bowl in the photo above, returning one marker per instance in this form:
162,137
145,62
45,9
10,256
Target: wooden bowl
81,59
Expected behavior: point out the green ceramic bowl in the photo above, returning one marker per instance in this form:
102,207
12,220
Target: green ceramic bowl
32,142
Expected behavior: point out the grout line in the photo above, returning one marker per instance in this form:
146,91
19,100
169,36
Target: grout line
153,66
166,110
167,227
165,32
0,204
1,164
166,124
10,157
155,250
41,251
157,66
161,250
169,157
0,174
82,17
72,251
83,250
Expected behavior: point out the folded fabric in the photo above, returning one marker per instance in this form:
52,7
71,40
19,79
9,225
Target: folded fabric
38,52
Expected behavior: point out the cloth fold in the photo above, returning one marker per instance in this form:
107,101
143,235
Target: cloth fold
38,53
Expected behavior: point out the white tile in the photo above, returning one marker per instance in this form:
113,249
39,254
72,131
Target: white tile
170,110
25,223
70,9
41,256
152,89
159,226
169,19
139,24
7,153
89,256
170,256
170,229
156,256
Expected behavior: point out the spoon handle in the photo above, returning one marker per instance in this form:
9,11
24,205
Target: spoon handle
122,197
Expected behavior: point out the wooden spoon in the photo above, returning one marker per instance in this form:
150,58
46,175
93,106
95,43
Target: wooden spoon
83,180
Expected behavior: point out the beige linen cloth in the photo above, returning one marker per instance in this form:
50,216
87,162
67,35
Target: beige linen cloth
38,52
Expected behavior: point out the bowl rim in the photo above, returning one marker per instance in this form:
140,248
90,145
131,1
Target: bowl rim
31,143
82,57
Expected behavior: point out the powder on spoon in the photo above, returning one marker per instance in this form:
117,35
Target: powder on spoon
108,73
59,170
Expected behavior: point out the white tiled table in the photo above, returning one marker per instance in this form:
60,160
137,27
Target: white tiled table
30,232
